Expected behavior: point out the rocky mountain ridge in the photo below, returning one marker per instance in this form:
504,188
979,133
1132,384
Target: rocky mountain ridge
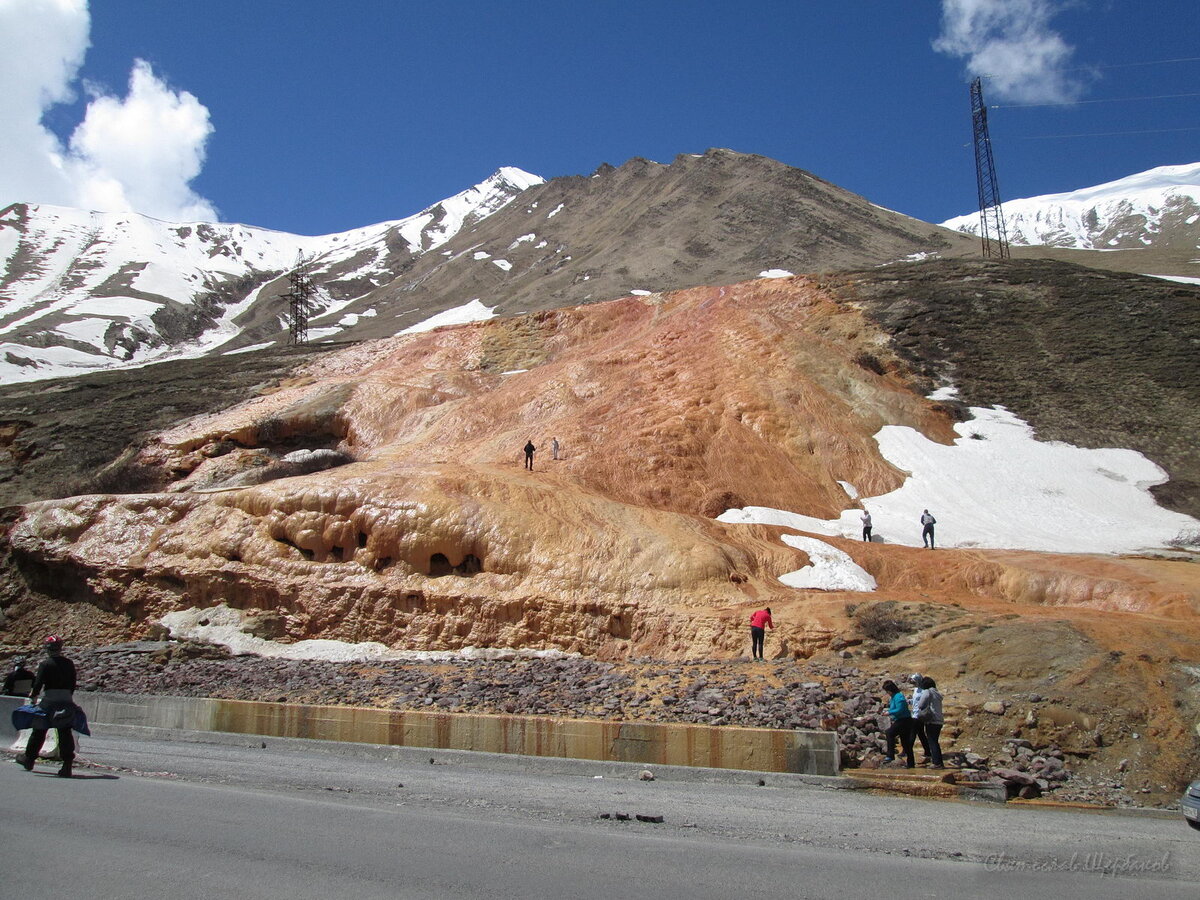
372,493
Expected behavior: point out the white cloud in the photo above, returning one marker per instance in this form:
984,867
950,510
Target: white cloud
1011,41
141,152
135,153
42,44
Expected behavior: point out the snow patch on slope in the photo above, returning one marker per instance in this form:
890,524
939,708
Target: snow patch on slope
226,627
474,311
829,568
997,486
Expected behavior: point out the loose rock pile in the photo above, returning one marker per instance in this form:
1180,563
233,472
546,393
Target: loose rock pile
1025,771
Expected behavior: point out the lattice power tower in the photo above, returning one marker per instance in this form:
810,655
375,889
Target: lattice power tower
991,215
299,297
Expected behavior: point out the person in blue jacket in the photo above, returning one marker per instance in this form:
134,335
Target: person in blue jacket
902,725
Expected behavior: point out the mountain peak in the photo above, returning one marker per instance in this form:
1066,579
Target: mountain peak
518,178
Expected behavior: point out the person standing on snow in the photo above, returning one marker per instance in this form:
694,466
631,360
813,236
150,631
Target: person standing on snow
927,523
760,621
866,520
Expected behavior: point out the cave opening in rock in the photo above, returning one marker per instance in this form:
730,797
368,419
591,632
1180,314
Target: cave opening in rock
439,565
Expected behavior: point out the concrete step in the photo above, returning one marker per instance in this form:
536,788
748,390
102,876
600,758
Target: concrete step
923,782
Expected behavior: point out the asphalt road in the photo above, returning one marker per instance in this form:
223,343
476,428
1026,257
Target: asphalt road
179,819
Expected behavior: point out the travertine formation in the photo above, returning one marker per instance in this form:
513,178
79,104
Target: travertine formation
421,528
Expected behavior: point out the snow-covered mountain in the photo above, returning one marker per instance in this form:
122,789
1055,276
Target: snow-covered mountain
85,290
1159,208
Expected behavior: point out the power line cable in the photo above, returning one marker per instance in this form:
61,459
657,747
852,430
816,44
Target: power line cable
1042,137
1101,100
1152,62
1098,68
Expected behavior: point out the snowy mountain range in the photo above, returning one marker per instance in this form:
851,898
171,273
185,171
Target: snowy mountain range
85,290
1160,208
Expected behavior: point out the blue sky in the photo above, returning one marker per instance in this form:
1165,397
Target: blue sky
316,117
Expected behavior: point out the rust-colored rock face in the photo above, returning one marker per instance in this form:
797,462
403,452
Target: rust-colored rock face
419,526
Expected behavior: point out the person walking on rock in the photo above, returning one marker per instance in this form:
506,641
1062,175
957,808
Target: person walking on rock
901,727
554,448
930,720
760,621
866,520
529,448
927,523
916,679
55,681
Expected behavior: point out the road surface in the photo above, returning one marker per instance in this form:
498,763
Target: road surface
184,819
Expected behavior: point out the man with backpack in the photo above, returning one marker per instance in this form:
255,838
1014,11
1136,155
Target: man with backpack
55,681
927,523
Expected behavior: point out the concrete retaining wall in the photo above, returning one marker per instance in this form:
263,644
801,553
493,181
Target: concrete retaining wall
756,749
7,705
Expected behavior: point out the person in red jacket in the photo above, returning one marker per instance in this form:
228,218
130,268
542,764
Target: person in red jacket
760,621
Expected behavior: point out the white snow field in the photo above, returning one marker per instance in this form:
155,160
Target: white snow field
997,486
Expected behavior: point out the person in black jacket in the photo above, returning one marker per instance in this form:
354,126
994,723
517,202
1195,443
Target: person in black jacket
529,449
18,682
55,681
927,523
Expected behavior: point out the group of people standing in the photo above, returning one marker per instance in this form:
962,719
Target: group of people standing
927,523
921,719
530,449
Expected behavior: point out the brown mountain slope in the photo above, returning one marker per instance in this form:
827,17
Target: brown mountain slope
669,408
711,218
